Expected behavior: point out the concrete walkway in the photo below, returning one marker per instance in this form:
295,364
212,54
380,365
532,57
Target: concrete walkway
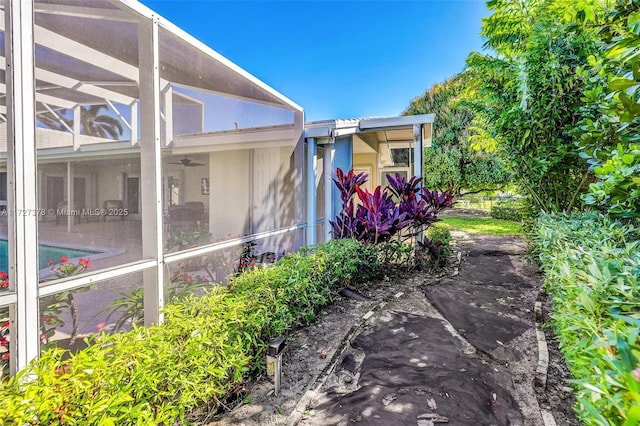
461,350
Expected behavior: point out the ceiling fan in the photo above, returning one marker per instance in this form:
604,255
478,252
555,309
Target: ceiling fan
187,162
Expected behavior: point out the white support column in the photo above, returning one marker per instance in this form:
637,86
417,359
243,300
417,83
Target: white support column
77,119
134,123
329,154
417,165
151,177
417,151
168,114
21,153
70,193
312,161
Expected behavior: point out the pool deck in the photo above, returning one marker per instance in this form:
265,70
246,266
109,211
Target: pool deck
120,242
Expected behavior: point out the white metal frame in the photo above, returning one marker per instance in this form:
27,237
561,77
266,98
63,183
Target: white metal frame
17,21
21,152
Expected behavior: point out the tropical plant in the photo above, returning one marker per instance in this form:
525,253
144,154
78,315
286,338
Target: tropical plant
51,306
452,162
592,272
190,367
402,209
610,132
92,122
527,95
129,307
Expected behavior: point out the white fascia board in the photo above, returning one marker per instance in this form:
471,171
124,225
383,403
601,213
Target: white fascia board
281,143
330,129
107,150
285,135
318,132
183,35
393,122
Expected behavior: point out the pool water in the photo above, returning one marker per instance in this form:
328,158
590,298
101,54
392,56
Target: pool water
45,254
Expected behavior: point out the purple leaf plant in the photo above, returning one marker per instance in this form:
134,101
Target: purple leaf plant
402,208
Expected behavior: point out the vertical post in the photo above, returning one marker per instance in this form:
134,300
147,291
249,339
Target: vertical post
312,160
77,119
150,167
21,162
70,197
134,123
168,114
299,163
417,151
417,165
329,154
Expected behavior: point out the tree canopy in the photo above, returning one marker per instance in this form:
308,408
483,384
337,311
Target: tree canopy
451,162
527,95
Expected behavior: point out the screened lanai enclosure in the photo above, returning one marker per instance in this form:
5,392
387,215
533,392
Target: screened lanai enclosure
137,164
130,153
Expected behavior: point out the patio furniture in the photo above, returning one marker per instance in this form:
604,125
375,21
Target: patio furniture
112,208
187,215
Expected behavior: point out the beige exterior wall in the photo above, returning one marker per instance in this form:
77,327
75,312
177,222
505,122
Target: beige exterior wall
229,205
368,163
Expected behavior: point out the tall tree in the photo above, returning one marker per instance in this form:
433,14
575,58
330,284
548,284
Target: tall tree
451,162
527,95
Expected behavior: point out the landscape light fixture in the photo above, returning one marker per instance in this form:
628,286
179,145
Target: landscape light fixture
274,361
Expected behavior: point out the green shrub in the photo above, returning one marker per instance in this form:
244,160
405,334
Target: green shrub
440,239
511,210
592,267
193,362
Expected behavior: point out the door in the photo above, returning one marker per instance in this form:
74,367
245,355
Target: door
79,193
55,191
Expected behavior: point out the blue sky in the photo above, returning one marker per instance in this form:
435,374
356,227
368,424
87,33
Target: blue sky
338,59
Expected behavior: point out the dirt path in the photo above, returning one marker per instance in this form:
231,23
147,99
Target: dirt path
461,349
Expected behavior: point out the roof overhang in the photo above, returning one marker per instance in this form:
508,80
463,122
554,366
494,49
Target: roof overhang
285,135
374,131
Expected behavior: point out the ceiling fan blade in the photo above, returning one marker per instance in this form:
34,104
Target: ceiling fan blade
186,161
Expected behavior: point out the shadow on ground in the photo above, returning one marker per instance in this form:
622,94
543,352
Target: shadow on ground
414,370
454,364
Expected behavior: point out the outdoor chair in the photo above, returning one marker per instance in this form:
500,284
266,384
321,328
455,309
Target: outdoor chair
112,208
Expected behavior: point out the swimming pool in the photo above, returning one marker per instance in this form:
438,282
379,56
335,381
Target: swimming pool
46,252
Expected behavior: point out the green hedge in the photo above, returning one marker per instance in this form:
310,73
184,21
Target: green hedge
193,361
592,267
511,210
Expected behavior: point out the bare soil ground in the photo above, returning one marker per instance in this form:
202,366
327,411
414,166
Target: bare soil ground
459,346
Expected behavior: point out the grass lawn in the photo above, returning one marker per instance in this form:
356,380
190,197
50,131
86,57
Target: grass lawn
475,225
